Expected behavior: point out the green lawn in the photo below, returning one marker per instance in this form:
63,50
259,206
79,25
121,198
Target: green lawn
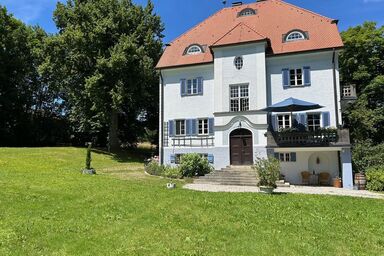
48,208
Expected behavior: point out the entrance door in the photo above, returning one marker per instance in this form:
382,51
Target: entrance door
241,147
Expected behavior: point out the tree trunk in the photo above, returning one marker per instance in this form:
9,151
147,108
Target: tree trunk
113,140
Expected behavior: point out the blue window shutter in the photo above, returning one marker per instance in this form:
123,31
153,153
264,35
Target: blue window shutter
183,87
274,122
326,119
172,158
285,77
293,157
211,158
211,123
200,82
171,128
194,127
277,156
188,127
307,76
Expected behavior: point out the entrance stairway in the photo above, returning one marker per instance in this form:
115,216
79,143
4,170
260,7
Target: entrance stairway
235,176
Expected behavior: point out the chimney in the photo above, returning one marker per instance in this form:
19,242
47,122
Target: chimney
237,4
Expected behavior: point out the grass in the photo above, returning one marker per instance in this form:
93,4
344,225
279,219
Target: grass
48,208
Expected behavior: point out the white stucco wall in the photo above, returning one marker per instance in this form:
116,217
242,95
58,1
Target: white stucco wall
321,90
197,106
306,161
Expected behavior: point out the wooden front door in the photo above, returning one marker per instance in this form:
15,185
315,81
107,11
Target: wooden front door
241,147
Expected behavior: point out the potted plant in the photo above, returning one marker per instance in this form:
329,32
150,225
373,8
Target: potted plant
88,169
268,172
337,182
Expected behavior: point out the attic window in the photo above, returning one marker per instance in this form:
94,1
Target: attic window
246,12
295,36
194,49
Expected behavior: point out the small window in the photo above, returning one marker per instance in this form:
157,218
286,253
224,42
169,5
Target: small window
285,157
239,98
295,36
283,121
239,62
313,121
296,77
180,127
203,127
194,49
246,12
192,86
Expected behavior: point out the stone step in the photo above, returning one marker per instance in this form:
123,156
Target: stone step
231,174
253,184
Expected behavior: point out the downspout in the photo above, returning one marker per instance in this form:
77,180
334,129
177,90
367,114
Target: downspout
161,126
335,88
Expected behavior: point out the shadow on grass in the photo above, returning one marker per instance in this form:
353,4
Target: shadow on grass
131,155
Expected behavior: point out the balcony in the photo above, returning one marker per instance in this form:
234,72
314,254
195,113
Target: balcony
320,138
193,142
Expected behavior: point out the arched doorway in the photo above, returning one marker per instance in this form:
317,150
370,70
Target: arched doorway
241,147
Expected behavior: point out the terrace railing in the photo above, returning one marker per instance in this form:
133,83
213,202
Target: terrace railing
320,138
193,142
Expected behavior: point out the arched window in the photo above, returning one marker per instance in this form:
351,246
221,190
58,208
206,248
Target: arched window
194,49
295,36
247,12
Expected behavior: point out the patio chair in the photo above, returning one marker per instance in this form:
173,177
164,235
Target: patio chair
324,178
305,177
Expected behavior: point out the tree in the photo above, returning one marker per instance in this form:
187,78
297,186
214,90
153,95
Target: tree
103,58
362,64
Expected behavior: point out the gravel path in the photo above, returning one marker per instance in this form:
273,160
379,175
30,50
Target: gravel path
292,189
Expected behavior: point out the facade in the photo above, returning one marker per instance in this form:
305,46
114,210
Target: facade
216,78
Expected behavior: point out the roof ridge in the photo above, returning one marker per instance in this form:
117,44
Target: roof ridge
237,25
303,9
198,24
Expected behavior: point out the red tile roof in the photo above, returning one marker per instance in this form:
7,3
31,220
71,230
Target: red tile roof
273,20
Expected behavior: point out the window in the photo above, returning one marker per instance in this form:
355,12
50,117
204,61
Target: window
203,127
239,98
296,77
287,157
283,121
313,121
246,12
294,36
192,86
347,91
239,62
180,127
194,49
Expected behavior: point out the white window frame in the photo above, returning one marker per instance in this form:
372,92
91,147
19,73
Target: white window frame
192,86
240,98
284,121
285,157
182,124
203,126
296,79
247,12
312,126
295,36
194,49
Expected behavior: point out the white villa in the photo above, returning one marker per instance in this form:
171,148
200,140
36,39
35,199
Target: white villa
216,78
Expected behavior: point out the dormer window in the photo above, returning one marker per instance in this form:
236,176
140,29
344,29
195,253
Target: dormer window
295,36
246,12
193,49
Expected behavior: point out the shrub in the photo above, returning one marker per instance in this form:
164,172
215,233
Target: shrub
365,155
268,171
375,178
152,167
194,165
172,172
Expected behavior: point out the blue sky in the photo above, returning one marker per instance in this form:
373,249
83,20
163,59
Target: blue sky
180,15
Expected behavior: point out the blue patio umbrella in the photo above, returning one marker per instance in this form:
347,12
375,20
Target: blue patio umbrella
291,105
